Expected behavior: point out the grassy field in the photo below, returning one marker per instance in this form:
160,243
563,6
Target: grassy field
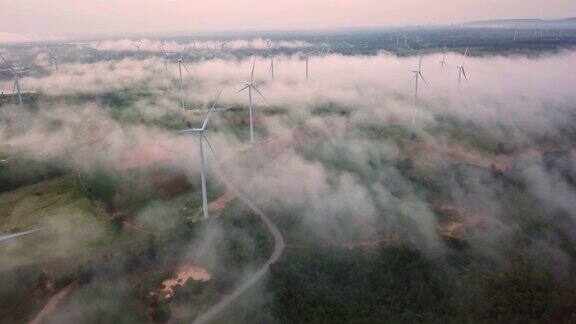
68,221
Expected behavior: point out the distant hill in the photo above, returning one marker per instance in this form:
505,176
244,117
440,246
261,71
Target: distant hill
568,23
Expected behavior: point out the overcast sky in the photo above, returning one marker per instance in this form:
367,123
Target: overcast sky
134,16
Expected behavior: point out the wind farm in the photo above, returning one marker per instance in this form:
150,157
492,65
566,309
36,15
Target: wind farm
163,173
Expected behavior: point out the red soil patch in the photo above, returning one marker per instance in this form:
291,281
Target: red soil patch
459,220
183,274
144,156
219,204
215,207
457,154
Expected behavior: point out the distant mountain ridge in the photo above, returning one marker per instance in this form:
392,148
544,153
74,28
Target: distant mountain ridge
566,23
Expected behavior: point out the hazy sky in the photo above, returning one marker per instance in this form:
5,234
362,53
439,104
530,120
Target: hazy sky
132,16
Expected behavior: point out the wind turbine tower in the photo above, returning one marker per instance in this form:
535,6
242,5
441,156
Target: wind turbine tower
250,86
17,73
461,70
417,76
182,63
443,63
53,58
201,133
271,59
307,56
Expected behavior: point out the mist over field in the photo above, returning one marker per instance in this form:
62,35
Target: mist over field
533,97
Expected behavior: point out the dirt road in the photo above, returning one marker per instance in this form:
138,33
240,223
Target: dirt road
52,303
278,250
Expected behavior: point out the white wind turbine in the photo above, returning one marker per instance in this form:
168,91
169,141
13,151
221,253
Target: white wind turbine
307,56
17,73
201,133
271,59
417,76
182,63
138,45
461,70
250,86
443,63
165,54
53,58
222,45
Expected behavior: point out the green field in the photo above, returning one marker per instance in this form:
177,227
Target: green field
70,225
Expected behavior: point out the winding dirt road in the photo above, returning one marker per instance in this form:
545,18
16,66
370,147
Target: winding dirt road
276,254
52,303
278,250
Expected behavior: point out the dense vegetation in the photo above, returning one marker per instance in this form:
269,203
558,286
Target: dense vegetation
399,284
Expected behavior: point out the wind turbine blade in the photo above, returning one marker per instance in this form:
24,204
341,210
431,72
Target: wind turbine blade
211,110
426,83
187,70
16,235
210,145
28,69
420,63
253,67
258,91
184,53
464,74
244,88
7,64
4,60
188,131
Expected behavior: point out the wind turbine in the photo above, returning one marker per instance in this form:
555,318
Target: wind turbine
201,132
443,63
250,86
138,45
17,72
165,54
271,58
461,70
307,55
222,45
417,76
53,58
182,63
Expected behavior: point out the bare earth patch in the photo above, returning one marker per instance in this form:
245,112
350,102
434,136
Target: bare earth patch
184,274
